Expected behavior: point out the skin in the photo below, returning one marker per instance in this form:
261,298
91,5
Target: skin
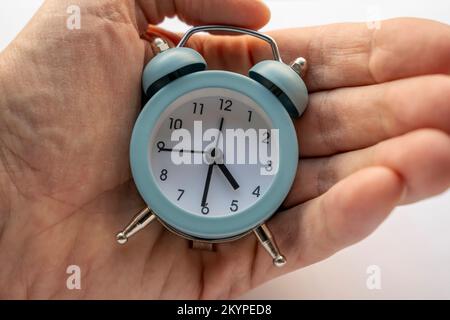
375,135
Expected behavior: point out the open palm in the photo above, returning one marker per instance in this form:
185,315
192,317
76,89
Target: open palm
375,135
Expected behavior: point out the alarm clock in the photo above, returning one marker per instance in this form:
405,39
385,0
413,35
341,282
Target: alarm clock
214,153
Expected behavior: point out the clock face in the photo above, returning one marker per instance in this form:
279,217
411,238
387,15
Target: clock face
213,152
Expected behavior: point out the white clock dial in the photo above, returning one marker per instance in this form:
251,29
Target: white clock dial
231,187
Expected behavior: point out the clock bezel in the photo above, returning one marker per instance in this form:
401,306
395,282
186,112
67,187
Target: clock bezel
204,227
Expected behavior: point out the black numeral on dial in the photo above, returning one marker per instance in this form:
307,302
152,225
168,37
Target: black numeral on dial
163,175
266,137
250,115
234,205
198,107
175,123
257,191
181,191
268,166
225,105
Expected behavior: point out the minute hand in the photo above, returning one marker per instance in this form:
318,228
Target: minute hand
207,183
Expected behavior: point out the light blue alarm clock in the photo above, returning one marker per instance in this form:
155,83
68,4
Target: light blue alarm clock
214,153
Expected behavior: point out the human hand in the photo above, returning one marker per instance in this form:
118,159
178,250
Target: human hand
68,103
375,133
65,179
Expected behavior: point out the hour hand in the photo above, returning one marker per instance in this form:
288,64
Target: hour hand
228,175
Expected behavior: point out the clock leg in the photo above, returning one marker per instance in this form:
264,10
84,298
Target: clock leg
140,221
268,242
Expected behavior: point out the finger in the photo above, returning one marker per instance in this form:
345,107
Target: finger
346,214
245,13
352,118
152,32
343,55
251,14
421,158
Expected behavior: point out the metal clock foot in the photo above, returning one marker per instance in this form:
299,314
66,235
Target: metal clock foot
140,221
268,242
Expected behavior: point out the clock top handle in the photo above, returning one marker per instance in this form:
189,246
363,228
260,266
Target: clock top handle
264,37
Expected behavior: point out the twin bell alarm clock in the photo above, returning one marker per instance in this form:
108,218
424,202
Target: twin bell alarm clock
214,153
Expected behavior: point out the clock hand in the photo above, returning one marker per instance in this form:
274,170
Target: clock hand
207,182
221,124
228,175
180,150
210,168
219,132
222,167
162,147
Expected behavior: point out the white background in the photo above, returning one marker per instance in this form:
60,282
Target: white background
412,247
